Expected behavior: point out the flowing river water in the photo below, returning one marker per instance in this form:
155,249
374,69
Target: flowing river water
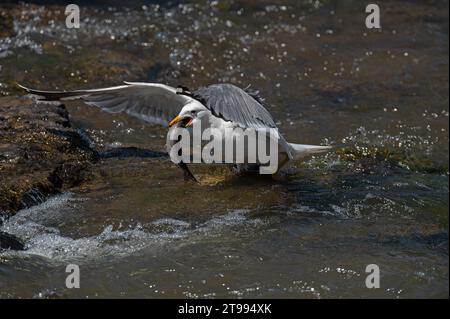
380,97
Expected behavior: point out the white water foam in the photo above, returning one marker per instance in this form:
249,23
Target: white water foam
48,242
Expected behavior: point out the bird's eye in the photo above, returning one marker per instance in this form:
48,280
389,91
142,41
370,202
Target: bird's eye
193,112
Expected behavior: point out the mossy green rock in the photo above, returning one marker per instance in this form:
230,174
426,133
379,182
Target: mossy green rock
40,153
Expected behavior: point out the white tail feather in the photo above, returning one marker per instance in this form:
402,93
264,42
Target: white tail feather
302,150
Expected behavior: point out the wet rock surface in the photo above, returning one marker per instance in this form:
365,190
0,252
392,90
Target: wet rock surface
8,241
41,153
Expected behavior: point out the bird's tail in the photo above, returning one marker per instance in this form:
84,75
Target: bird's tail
300,151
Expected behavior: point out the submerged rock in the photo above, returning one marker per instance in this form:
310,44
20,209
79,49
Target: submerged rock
370,156
40,153
8,241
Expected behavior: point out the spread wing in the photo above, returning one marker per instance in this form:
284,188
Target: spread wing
231,103
151,102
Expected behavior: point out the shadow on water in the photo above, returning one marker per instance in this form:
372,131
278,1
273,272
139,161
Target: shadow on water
124,152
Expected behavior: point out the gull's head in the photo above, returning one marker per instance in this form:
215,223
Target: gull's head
188,114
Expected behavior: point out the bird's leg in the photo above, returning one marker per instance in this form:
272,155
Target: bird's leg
187,173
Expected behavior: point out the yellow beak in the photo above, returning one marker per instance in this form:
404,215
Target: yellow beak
175,120
187,121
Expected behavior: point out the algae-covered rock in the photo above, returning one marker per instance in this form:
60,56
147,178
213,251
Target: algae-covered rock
399,157
40,153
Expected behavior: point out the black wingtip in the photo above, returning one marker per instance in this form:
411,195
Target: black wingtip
23,87
41,95
29,91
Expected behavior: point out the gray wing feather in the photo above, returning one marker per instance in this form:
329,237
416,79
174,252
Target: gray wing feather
231,103
151,102
234,104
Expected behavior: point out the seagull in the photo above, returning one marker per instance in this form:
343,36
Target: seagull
217,106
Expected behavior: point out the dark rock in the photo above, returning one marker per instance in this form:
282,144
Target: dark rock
6,24
40,153
8,241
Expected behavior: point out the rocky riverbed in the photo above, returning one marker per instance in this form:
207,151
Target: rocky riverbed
41,154
82,186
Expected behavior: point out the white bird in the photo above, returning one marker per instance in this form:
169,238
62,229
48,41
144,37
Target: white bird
217,106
